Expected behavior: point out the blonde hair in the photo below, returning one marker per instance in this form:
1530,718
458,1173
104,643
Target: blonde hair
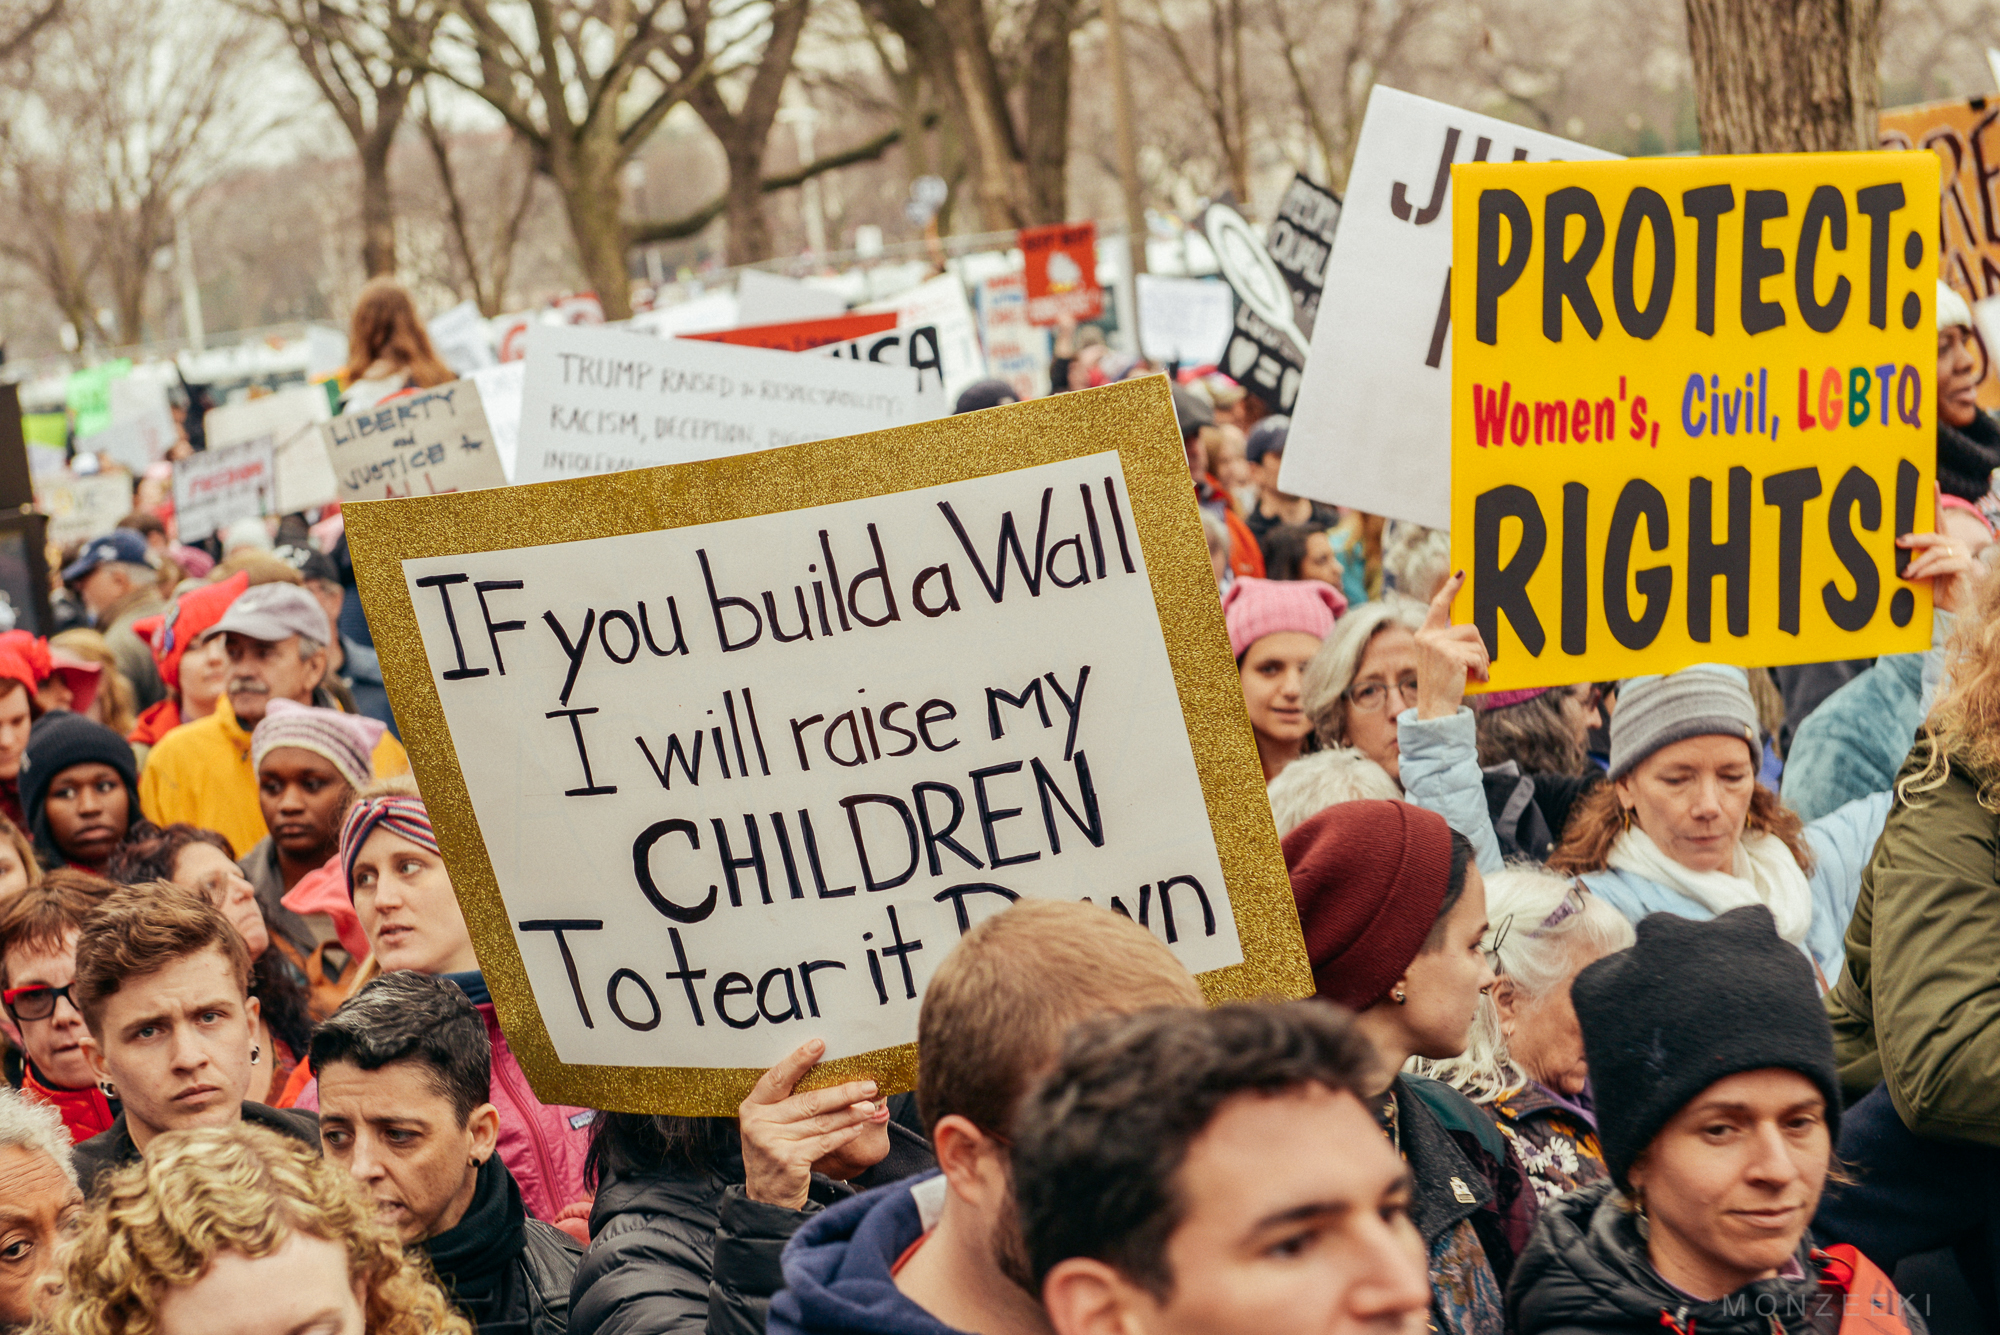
1333,668
996,1010
1536,955
159,1223
1964,725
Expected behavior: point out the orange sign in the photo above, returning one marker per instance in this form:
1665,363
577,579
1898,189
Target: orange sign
1966,137
1062,272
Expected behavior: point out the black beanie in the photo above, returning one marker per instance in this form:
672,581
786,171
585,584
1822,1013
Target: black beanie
58,740
1690,1004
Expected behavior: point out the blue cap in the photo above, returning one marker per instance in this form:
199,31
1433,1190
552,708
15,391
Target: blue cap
120,544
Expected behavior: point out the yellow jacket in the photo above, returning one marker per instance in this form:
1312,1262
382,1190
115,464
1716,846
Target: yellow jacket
201,773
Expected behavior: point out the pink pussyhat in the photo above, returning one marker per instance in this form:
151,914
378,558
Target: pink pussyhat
1253,608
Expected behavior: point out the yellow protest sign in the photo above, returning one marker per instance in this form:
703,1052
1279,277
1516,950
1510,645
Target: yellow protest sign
1965,135
1691,409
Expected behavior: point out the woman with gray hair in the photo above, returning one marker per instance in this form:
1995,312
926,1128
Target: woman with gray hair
1523,1063
39,1200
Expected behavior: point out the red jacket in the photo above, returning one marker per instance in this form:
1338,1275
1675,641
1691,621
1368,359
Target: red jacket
85,1112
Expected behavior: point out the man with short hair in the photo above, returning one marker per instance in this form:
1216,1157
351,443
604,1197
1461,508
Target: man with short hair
38,934
116,577
943,1252
39,1203
404,1070
163,981
1217,1172
201,772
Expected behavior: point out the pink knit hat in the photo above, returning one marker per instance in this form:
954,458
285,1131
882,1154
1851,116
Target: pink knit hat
1254,608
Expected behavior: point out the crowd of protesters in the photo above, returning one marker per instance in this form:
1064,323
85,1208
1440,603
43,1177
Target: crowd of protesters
1657,1003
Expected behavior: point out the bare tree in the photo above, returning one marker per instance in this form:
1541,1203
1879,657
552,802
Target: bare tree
487,263
132,108
1797,77
365,57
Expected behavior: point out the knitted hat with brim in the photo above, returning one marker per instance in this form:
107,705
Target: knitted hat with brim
1690,1004
1369,879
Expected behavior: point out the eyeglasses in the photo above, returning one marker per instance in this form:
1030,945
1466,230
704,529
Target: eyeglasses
1373,695
35,1002
1571,905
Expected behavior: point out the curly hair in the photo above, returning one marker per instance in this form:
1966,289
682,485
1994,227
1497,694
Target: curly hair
1596,821
1964,725
1534,734
159,1223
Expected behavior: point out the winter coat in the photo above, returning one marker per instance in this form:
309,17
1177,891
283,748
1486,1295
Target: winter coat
1916,1007
1469,1199
1440,770
542,1144
1966,457
1554,1138
85,1112
1587,1272
115,1147
684,1249
506,1273
838,1269
1854,743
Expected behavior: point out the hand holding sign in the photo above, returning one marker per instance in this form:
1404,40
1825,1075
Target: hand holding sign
787,1136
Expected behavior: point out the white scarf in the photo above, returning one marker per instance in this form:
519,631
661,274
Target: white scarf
1765,872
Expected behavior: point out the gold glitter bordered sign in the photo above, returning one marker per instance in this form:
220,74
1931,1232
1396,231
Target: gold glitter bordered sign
726,755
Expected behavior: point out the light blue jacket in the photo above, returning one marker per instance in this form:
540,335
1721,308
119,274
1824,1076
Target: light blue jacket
1856,740
1440,772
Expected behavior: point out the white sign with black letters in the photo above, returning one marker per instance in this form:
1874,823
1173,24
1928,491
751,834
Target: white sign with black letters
603,401
1371,427
422,444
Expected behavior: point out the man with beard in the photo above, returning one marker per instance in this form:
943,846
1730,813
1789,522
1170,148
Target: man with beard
201,773
943,1252
404,1071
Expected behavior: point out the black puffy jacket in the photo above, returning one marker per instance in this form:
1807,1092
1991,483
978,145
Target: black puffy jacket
678,1251
1586,1272
507,1273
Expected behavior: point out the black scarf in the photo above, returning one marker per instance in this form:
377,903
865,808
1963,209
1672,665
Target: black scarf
474,1260
1967,457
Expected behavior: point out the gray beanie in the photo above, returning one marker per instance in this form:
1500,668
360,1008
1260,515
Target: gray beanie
1703,701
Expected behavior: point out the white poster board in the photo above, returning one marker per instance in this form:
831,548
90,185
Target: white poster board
939,335
604,400
1185,320
134,443
288,422
463,338
423,444
1016,350
769,298
500,397
214,488
83,506
1372,424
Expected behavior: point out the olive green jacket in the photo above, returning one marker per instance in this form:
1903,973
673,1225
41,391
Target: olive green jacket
1918,1002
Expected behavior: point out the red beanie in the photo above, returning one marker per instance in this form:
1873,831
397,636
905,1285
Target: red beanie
1369,878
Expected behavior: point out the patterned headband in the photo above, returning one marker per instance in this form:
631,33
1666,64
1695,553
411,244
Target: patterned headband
400,814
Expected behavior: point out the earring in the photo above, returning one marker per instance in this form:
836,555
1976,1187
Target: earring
1402,998
256,1051
109,1090
1628,818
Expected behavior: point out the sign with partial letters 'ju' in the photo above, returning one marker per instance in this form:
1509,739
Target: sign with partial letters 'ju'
1692,410
727,755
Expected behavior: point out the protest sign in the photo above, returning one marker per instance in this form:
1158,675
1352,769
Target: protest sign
800,335
289,422
1300,240
216,487
1060,262
1672,372
1267,351
1372,426
134,443
423,444
463,338
1966,139
727,755
603,400
88,394
81,506
500,399
1016,351
940,337
1185,320
771,298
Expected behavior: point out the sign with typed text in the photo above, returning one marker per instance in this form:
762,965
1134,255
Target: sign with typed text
727,755
1692,410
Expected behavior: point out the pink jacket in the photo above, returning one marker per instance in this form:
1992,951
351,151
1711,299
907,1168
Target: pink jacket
542,1144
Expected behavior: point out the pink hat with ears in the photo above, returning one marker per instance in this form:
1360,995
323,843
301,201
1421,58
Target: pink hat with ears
1253,608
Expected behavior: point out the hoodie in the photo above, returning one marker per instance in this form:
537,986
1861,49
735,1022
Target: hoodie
839,1268
1587,1272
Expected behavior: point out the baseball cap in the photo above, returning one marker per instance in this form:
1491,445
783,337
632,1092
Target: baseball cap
273,612
310,562
1267,437
120,544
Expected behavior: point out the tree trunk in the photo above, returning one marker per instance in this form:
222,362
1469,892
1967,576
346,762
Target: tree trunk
378,207
1046,65
749,231
1786,76
589,184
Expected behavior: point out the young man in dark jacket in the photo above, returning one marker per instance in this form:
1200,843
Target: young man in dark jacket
404,1074
944,1253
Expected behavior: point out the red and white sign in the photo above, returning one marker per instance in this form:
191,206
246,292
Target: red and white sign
800,335
1061,261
